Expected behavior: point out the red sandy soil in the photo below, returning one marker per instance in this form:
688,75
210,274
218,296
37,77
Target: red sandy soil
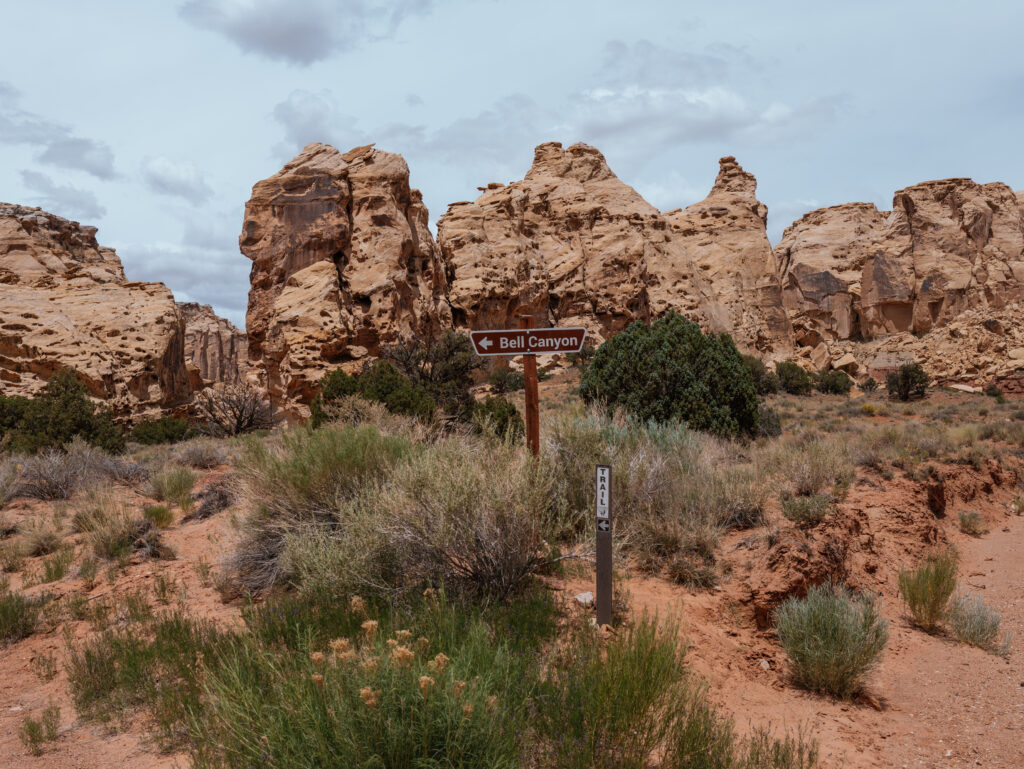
932,702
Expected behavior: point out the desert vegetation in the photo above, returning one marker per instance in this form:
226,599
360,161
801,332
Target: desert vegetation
395,571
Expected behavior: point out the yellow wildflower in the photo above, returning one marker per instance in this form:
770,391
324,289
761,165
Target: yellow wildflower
467,710
370,628
340,645
422,644
458,688
358,605
318,680
370,664
391,644
403,635
439,663
402,656
369,697
317,658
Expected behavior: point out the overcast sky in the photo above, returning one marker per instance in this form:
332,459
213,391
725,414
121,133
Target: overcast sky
153,120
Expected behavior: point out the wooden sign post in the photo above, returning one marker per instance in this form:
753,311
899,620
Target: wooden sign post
530,383
604,545
529,342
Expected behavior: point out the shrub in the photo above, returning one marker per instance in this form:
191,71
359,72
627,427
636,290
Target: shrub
505,380
976,624
62,411
869,385
971,523
814,465
769,425
993,390
908,382
52,474
161,430
766,381
218,496
39,537
670,370
807,511
333,386
835,383
8,482
34,734
233,409
793,379
174,485
832,637
57,565
201,455
18,617
383,382
928,588
159,516
444,368
500,416
297,484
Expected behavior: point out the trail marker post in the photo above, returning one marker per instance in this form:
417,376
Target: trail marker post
604,545
529,342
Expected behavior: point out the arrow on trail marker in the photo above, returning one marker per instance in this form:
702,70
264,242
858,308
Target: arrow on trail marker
485,342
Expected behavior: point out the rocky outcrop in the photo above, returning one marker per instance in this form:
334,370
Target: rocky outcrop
64,301
726,239
851,272
215,348
343,262
571,244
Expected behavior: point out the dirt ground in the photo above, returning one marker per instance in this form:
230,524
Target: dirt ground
932,702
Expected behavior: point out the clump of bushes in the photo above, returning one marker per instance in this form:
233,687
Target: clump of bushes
19,616
869,385
909,382
928,588
381,382
174,484
500,416
766,381
53,474
793,379
971,523
506,380
161,430
834,382
62,411
670,370
832,637
807,510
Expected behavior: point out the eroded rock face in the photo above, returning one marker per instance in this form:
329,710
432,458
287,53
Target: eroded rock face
725,237
343,262
571,244
214,346
851,272
64,301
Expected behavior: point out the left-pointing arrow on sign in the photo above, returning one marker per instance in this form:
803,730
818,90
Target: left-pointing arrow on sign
485,342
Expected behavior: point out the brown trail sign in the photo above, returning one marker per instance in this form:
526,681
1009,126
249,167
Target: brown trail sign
529,342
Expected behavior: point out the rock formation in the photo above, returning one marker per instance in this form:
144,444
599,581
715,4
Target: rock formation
214,347
851,272
64,301
571,244
343,262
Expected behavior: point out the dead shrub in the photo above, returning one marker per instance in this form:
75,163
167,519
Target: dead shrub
233,409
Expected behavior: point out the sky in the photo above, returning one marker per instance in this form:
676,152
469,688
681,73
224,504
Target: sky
152,120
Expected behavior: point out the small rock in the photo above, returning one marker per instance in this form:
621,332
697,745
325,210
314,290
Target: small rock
585,599
766,665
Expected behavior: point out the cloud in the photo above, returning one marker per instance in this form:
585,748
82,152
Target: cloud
300,31
178,178
87,155
63,200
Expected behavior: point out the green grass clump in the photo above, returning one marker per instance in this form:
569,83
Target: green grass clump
158,515
18,617
174,485
971,523
833,638
807,511
35,734
976,624
56,566
39,537
108,527
928,588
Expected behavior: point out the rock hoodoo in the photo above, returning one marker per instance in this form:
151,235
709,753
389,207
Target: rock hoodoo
64,301
343,262
215,349
572,244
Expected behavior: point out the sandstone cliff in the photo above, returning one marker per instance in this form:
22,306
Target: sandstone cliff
343,262
64,301
215,348
571,244
852,272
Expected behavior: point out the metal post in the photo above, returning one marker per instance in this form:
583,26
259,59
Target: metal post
532,405
604,545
